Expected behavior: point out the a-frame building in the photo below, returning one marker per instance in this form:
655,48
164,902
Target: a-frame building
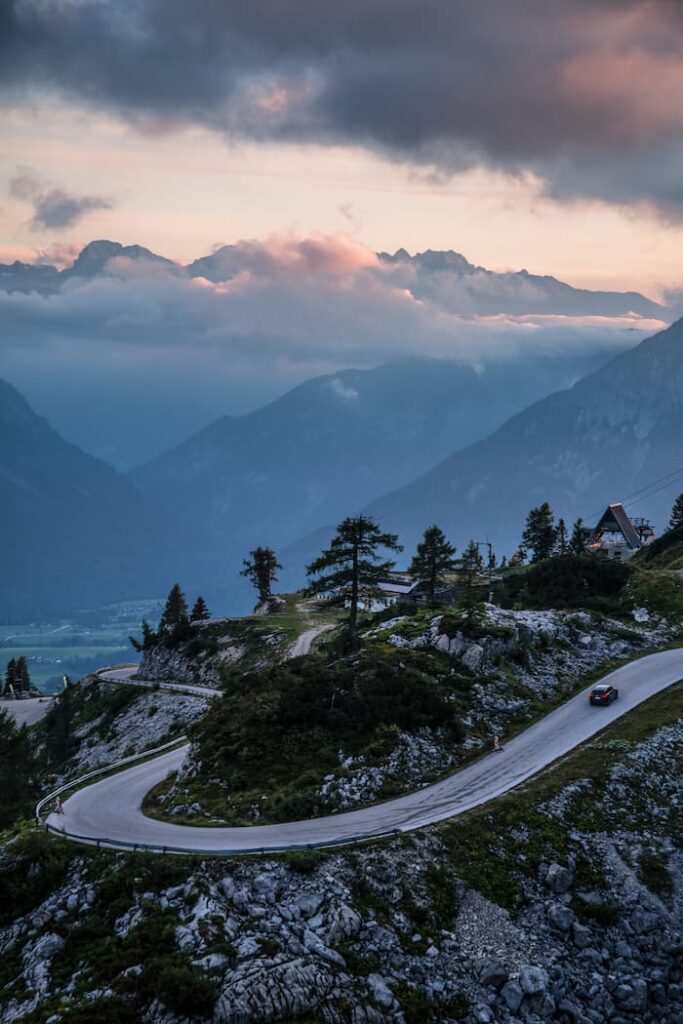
616,535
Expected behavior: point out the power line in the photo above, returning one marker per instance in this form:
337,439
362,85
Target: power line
645,492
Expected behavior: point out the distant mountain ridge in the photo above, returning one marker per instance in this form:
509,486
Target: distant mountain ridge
323,450
444,276
78,534
615,434
74,532
465,288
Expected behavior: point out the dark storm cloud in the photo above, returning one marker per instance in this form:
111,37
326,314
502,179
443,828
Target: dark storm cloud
586,93
53,207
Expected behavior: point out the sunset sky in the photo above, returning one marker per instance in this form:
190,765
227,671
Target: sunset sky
544,135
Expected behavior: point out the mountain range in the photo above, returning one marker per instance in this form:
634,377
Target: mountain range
445,276
616,435
414,441
75,533
328,446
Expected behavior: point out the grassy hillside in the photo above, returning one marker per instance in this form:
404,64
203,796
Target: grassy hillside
664,553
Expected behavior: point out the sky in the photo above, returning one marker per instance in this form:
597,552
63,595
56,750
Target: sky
544,134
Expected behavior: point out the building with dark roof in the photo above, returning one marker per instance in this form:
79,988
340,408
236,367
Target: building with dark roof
616,535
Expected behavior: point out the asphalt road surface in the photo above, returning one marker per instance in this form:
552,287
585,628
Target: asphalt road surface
111,810
26,712
124,675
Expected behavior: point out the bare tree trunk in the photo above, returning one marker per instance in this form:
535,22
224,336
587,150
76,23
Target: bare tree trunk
353,611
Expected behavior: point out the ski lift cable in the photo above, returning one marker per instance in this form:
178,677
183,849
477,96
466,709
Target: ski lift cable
645,492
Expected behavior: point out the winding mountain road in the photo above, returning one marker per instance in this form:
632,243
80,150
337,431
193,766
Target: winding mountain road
111,810
127,675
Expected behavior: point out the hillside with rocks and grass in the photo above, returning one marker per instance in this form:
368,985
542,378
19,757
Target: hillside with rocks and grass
561,901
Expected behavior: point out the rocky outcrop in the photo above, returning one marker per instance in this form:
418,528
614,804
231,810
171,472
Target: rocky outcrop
175,664
385,935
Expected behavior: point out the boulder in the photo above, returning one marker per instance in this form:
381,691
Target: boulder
494,973
644,921
631,996
560,917
380,991
473,657
583,936
559,879
343,923
534,980
512,995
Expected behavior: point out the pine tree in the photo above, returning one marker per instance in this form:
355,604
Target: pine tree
175,614
471,565
261,568
200,612
59,738
433,558
676,521
11,684
356,571
22,675
17,771
518,557
562,539
540,532
577,544
149,637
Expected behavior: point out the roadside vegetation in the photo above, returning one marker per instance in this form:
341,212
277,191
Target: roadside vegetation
268,744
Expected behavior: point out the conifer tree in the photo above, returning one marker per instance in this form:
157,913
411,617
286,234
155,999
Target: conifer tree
471,565
149,637
11,685
562,539
676,521
540,532
22,675
434,557
200,611
261,568
17,771
577,544
518,557
355,568
175,614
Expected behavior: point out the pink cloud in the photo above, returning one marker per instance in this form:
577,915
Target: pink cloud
330,255
59,254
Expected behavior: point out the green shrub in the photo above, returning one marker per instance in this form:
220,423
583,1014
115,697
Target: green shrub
305,862
653,871
184,989
419,1009
568,581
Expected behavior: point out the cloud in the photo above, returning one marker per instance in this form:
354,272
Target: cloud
317,303
586,94
343,390
58,254
53,207
102,351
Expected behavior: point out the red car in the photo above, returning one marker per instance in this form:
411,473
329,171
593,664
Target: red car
603,695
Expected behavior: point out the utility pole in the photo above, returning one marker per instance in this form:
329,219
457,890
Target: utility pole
489,545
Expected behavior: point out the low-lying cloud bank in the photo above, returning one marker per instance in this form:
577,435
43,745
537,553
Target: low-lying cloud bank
315,302
131,356
584,93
